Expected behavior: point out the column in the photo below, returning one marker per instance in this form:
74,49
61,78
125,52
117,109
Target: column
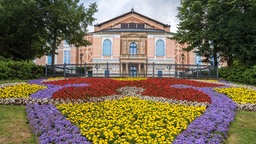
139,70
126,64
121,69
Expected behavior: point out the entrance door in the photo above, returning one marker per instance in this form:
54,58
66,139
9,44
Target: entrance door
133,71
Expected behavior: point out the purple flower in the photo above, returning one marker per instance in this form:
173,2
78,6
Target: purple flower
51,126
212,126
51,89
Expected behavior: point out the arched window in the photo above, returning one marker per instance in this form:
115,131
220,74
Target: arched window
160,48
107,47
66,44
133,48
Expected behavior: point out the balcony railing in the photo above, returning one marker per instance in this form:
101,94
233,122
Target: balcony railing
133,56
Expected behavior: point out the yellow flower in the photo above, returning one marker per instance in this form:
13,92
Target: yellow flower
19,90
129,79
239,95
130,119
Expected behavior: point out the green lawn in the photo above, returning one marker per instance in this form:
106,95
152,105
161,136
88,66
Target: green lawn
14,128
243,129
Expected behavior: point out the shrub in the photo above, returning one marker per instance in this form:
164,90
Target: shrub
239,74
10,69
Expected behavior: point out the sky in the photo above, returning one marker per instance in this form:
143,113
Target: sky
164,11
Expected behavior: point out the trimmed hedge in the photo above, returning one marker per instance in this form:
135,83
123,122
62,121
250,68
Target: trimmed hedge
10,69
240,74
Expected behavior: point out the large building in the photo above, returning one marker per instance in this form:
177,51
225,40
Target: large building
131,40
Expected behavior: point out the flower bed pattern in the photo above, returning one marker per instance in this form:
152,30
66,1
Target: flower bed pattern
153,87
210,127
213,125
130,119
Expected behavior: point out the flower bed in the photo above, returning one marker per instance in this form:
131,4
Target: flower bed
244,97
213,125
10,84
129,79
153,87
19,90
239,95
160,95
130,119
51,126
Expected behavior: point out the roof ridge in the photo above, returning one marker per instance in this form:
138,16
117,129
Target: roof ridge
132,12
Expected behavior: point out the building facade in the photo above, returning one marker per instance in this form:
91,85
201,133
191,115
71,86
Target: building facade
132,41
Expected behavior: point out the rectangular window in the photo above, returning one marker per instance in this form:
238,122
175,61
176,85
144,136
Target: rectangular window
124,25
132,25
66,56
49,60
141,26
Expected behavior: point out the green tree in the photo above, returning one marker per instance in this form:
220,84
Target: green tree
240,36
65,20
19,31
218,29
32,28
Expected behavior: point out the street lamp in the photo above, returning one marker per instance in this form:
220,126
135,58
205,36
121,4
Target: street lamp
81,57
182,60
97,67
169,68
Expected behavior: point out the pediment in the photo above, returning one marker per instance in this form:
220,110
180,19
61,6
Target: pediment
132,18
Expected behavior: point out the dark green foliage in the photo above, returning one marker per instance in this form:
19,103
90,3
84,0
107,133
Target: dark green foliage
215,29
65,20
32,28
20,30
10,69
240,74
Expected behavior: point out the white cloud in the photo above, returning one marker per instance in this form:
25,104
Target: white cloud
164,11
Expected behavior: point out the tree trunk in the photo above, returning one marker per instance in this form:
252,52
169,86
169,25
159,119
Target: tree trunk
54,47
215,59
230,61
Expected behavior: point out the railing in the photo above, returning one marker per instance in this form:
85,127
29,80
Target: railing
133,56
131,70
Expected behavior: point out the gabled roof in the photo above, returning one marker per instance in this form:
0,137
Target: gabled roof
132,12
134,30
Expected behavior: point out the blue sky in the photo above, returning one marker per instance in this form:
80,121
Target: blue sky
164,11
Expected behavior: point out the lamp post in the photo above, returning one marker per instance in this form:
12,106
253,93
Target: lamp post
97,67
182,60
169,68
81,58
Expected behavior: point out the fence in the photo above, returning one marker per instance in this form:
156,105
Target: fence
131,70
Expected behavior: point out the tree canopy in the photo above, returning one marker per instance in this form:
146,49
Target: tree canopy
32,28
219,29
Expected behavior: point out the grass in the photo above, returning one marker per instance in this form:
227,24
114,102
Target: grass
14,127
243,129
11,81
